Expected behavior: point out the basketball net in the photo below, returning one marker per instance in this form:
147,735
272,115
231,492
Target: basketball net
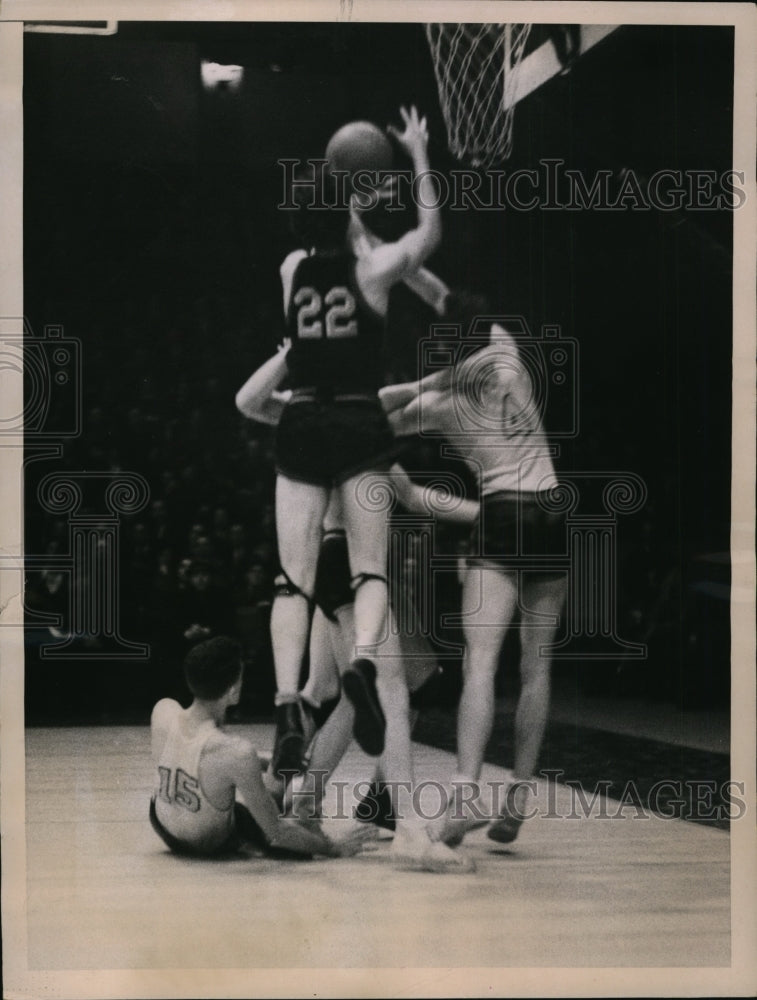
476,73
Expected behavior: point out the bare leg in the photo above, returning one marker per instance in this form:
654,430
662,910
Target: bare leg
299,514
412,843
419,664
542,597
323,677
396,760
415,661
332,740
543,600
366,532
366,541
329,747
333,644
489,602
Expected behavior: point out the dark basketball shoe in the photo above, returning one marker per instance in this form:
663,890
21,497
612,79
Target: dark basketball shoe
289,746
376,807
359,683
506,827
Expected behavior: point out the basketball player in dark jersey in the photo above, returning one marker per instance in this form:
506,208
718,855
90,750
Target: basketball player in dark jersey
260,399
331,643
332,435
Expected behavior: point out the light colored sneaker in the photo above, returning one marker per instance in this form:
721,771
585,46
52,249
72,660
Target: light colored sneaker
414,847
457,820
455,829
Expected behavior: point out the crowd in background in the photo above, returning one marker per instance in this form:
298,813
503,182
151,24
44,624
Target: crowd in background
168,335
199,558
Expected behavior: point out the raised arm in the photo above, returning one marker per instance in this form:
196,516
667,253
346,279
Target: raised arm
391,262
426,285
258,398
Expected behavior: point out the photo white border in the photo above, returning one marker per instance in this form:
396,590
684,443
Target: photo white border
741,978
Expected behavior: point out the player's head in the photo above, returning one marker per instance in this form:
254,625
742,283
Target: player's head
212,667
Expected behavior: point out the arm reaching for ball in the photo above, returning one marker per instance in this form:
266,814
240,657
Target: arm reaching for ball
388,263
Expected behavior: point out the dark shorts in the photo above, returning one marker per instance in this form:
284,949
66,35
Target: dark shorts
332,575
245,834
515,531
326,442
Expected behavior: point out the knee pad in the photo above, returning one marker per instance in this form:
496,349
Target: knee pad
360,578
284,586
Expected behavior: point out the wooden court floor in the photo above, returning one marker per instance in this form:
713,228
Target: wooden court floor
103,893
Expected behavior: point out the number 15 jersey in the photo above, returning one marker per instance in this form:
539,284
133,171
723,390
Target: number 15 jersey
181,805
337,339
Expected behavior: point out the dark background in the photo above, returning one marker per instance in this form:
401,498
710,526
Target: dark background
152,235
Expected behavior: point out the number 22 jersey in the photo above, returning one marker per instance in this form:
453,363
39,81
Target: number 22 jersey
337,339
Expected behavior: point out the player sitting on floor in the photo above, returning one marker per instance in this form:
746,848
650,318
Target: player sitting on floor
200,769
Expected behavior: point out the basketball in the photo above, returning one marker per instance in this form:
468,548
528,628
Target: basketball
359,146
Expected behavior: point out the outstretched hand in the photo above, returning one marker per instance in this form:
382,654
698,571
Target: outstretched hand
414,138
359,837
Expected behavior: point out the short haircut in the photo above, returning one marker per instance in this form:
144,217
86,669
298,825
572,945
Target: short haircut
212,667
